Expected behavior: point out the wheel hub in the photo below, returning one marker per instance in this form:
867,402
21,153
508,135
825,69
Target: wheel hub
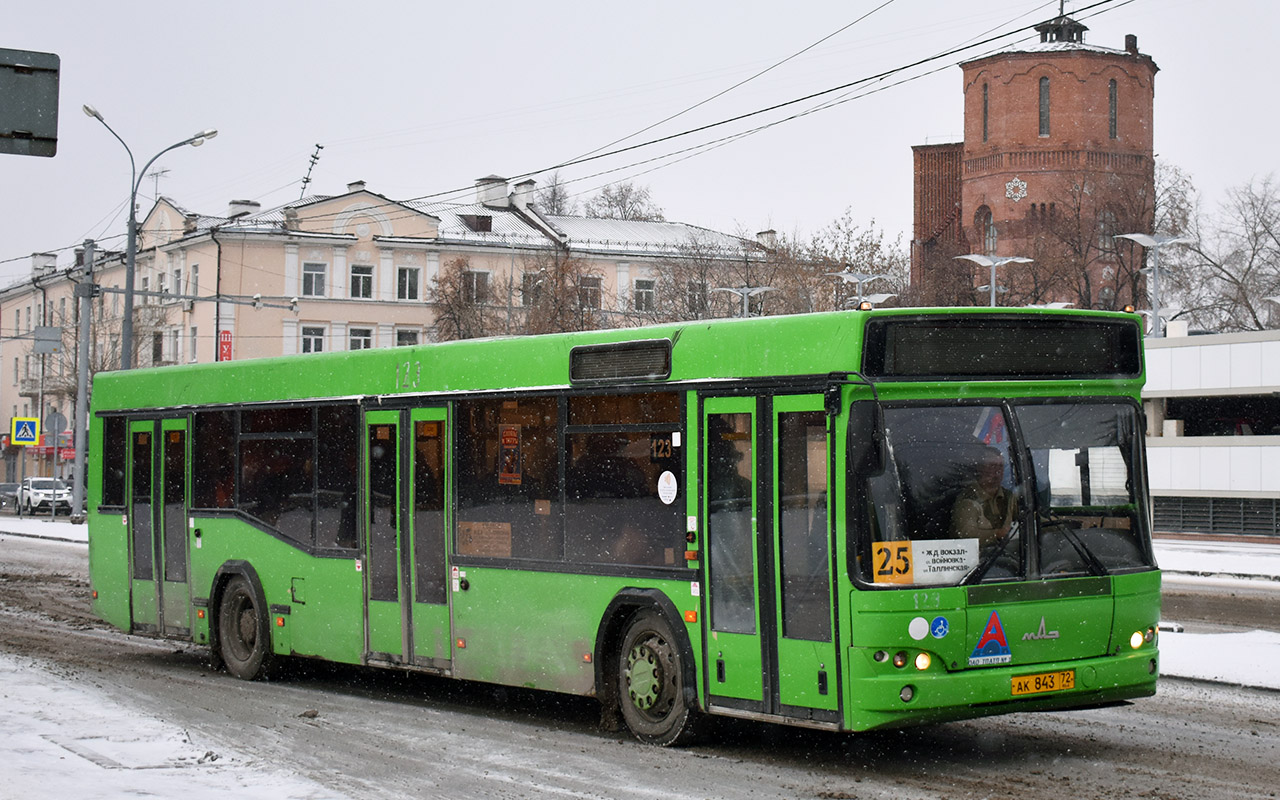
644,676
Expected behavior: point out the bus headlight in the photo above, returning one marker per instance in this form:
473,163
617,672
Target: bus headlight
1135,641
923,661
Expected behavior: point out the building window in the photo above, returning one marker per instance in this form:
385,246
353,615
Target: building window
1044,106
313,279
362,281
589,292
194,339
406,337
645,295
146,288
312,339
360,338
985,108
986,225
193,281
530,288
407,283
177,281
475,288
1111,109
1107,228
157,348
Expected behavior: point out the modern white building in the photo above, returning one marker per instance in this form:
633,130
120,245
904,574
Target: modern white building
1213,431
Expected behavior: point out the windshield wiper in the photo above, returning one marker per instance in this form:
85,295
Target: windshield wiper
976,574
1069,533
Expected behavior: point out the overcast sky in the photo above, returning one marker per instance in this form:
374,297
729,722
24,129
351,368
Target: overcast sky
420,98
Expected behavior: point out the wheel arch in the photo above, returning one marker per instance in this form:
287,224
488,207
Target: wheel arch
613,625
228,570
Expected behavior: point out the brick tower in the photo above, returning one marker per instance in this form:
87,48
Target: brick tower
1057,156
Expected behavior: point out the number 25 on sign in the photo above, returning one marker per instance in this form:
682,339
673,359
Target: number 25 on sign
892,562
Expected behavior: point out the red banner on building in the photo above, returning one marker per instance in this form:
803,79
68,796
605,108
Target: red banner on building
224,345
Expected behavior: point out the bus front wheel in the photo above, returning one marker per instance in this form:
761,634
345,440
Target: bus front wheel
244,638
651,683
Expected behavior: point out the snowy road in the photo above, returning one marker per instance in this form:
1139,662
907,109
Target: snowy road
91,713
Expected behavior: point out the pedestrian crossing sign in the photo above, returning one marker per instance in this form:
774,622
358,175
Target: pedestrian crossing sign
24,431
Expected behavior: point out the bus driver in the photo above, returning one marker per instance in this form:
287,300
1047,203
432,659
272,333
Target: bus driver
985,509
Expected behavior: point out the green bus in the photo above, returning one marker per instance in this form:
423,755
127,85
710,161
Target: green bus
844,521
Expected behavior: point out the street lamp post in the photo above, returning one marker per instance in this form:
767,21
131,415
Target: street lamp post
746,293
861,279
1154,243
131,247
993,262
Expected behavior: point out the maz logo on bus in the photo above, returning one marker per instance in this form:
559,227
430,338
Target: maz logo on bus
408,375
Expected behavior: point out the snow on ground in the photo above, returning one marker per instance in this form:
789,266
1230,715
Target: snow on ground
64,739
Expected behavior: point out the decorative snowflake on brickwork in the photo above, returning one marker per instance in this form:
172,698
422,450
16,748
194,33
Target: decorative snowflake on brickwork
1015,189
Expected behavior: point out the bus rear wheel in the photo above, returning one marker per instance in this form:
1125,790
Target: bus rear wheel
244,637
651,683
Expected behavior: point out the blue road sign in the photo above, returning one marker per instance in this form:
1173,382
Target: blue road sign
24,431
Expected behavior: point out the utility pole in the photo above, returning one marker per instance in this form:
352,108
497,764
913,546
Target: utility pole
84,291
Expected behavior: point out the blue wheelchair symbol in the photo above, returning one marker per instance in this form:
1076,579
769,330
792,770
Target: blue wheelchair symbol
939,627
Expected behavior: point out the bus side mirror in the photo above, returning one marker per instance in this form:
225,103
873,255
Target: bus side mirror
866,438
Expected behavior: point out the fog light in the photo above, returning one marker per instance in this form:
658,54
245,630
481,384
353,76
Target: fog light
900,659
907,693
1151,667
1135,641
923,661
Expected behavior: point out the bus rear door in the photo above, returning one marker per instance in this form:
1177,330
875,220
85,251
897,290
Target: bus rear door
157,518
770,649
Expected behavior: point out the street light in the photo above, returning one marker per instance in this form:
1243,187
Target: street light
1154,243
131,248
993,262
746,293
859,278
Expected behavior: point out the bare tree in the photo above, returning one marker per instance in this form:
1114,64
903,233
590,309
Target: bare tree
463,305
1222,282
624,200
686,279
561,293
845,246
554,198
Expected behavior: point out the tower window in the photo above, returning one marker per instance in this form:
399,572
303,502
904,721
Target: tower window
1111,109
984,112
985,222
1044,106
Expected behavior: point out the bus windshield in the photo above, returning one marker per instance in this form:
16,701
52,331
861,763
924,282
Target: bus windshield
968,495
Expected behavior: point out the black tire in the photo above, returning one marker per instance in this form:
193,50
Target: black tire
244,632
651,683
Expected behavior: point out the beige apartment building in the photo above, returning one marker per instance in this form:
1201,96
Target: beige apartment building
343,272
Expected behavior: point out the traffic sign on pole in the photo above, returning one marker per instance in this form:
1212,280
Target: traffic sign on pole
25,431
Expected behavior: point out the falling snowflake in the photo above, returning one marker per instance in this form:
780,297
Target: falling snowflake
1015,189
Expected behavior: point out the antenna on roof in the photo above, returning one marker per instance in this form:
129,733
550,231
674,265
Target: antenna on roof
157,174
315,157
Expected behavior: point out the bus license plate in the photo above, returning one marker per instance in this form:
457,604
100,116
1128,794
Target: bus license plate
1044,682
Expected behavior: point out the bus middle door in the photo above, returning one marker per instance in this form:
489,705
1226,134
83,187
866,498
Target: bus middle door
407,577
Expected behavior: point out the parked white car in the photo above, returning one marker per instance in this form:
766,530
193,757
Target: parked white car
37,494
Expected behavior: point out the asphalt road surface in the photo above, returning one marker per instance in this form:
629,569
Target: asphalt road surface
369,734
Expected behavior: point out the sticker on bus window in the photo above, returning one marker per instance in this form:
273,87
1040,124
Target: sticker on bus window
924,561
510,468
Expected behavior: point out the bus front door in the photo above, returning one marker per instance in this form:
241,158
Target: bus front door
407,574
770,648
157,519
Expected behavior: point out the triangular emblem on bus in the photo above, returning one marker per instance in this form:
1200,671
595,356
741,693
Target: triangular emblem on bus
992,646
